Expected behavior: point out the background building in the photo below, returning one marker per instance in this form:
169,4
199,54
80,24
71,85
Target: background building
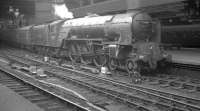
40,11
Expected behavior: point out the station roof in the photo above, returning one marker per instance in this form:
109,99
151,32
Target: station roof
82,7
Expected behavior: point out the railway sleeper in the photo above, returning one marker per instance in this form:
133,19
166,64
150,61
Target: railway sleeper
56,108
20,89
29,94
35,100
4,79
195,81
43,103
185,86
9,83
198,88
18,86
101,101
167,108
34,96
188,86
50,104
24,92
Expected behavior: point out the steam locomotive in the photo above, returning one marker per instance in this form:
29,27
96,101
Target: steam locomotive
129,41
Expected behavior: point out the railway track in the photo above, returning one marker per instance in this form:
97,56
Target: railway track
184,84
181,82
140,97
98,98
37,95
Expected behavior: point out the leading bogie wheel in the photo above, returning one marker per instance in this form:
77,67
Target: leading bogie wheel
100,60
133,69
132,66
112,64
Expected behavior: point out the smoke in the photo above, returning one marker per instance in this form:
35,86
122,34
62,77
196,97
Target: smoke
62,11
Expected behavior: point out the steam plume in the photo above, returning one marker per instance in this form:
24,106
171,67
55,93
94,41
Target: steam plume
62,11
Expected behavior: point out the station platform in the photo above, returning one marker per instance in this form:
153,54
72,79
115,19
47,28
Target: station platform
10,101
186,56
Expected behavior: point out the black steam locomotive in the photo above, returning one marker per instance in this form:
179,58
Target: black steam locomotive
129,41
